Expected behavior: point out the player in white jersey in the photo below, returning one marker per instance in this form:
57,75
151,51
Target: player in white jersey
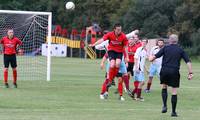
139,68
155,66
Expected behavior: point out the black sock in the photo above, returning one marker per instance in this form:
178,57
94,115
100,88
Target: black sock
164,97
174,102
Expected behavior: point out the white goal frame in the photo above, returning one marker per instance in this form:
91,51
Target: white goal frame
48,34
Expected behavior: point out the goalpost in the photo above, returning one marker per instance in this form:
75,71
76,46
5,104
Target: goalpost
34,30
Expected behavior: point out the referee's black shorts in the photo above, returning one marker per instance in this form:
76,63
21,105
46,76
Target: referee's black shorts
114,55
10,60
170,77
130,67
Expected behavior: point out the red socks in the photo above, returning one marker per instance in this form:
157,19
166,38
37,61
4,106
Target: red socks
148,86
111,74
129,77
126,81
15,76
139,93
120,88
5,76
136,84
104,86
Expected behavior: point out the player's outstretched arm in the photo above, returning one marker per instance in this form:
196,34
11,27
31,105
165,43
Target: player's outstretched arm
97,42
132,34
102,46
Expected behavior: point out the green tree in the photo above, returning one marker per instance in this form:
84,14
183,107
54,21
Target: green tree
153,17
187,23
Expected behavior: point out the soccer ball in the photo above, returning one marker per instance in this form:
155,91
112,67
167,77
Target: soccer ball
70,6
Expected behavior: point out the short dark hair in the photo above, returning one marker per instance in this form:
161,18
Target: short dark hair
9,29
160,39
117,25
145,39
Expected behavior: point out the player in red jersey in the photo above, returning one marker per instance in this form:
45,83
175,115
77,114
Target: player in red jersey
134,43
10,43
133,46
117,43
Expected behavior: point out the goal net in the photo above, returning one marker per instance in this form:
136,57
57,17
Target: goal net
34,30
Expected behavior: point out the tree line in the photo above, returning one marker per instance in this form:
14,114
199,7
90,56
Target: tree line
154,18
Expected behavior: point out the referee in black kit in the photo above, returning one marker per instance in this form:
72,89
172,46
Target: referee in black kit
169,74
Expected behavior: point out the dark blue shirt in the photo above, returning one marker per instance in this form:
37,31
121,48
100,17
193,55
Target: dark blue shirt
172,55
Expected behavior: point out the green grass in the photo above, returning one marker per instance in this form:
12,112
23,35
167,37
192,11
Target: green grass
73,94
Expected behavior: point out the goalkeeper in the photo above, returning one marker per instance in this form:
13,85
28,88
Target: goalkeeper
10,43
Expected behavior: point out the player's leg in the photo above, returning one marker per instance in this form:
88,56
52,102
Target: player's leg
104,89
164,95
130,70
6,77
126,81
115,61
123,71
174,102
6,65
136,77
128,76
111,73
118,57
149,82
116,71
117,65
120,87
152,72
175,84
107,71
141,84
136,84
164,81
139,91
14,69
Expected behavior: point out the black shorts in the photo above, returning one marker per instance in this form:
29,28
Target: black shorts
114,55
10,59
170,77
130,67
119,75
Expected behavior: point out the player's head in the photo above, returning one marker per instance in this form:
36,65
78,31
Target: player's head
136,38
117,28
131,42
144,42
173,39
10,33
160,43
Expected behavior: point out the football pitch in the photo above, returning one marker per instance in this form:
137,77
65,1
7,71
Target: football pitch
73,94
